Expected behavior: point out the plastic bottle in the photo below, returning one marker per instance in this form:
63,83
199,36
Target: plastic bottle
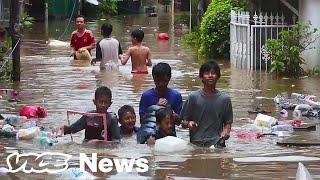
44,139
284,127
29,133
264,120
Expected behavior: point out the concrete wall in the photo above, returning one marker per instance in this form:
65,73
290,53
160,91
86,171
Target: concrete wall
309,10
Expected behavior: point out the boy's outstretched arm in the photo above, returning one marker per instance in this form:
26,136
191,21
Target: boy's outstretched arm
149,63
74,128
126,57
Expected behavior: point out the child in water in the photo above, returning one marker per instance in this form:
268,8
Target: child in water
140,55
127,119
94,126
164,125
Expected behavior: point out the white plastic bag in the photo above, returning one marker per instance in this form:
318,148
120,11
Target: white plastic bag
170,144
303,173
265,120
30,133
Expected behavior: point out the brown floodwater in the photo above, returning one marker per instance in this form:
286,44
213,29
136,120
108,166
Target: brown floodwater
48,79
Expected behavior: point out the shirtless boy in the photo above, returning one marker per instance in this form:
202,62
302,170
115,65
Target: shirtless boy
140,55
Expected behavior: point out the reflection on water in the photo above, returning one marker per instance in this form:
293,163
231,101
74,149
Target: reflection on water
49,80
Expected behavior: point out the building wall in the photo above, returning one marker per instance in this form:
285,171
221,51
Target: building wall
309,10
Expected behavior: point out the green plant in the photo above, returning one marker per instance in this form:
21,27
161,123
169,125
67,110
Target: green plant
214,28
26,20
107,7
286,51
315,71
5,66
191,39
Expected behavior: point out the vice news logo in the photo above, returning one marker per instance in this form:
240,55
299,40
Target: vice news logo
53,163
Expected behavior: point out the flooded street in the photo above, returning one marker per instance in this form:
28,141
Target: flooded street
48,79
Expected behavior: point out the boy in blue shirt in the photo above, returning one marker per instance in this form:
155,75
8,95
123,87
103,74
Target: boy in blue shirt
161,94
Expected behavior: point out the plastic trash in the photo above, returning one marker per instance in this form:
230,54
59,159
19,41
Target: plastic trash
248,135
283,113
30,124
298,97
8,128
294,122
265,120
30,133
303,173
170,144
76,173
3,170
45,139
33,112
284,127
313,101
14,120
6,134
254,128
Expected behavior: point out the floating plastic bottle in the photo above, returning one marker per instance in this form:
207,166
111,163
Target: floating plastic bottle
45,139
284,127
265,121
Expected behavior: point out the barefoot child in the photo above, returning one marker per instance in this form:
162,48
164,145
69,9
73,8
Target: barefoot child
140,55
127,119
94,126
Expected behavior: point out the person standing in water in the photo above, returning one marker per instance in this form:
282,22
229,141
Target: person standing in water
108,49
140,55
81,39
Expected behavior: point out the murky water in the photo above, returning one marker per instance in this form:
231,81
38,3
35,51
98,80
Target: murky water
49,80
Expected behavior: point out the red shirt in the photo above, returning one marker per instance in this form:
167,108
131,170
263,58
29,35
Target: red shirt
86,39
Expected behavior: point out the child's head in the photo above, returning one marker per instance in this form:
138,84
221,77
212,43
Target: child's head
102,99
127,116
209,72
163,118
106,29
137,35
161,74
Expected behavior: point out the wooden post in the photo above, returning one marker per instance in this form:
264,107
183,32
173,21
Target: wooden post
16,8
172,11
190,19
46,20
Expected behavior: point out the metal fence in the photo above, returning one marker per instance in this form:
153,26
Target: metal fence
248,36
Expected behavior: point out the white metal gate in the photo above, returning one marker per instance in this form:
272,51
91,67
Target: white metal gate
248,36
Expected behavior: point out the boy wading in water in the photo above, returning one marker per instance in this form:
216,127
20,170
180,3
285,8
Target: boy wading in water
140,55
108,49
208,112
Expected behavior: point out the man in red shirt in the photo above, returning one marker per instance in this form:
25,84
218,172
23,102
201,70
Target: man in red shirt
81,38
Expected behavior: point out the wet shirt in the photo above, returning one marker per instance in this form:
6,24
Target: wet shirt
108,51
211,113
159,134
151,97
94,127
135,129
86,39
